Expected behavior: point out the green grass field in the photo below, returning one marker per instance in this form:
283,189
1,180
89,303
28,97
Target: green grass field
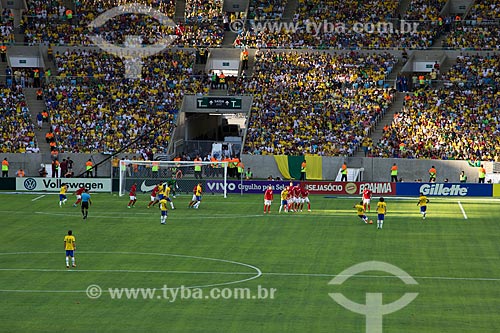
454,260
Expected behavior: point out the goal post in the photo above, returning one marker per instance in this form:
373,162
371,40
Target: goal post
183,175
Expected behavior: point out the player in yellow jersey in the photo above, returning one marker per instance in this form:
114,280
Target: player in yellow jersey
167,195
422,202
284,201
62,194
197,192
360,209
163,211
70,247
161,191
381,211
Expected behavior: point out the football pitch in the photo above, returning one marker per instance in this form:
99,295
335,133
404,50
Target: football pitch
235,269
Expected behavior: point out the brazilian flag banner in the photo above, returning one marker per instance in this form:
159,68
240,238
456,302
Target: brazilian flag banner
290,166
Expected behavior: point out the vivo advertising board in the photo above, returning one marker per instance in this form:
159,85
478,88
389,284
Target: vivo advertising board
329,188
210,186
235,186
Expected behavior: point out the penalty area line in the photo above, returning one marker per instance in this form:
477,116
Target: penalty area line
39,197
462,209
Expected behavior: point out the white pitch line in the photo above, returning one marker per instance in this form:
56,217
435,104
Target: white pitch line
450,278
462,209
38,197
383,276
217,217
76,270
254,275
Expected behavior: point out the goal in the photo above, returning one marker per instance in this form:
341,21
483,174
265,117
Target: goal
183,175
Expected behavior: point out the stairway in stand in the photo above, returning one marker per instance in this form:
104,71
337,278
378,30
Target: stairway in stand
378,130
36,106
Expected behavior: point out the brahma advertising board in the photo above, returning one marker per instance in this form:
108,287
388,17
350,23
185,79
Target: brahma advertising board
350,188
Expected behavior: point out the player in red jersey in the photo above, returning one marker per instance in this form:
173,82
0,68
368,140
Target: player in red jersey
304,194
78,194
268,199
290,199
154,196
133,198
193,199
297,197
367,196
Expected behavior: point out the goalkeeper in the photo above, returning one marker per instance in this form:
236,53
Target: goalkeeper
172,183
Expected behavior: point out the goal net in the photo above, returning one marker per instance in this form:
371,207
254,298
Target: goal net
182,175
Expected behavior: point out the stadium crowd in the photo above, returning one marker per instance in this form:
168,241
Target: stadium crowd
485,10
260,10
458,121
18,134
320,103
53,23
304,102
481,30
424,10
474,71
6,28
444,124
93,108
348,24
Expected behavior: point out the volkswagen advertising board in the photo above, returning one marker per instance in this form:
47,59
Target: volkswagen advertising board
36,184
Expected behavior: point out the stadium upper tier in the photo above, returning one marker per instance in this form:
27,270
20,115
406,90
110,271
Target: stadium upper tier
485,10
349,24
304,102
422,10
48,22
266,9
481,32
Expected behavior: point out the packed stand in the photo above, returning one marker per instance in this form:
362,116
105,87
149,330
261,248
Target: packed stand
340,25
203,10
485,10
260,10
93,108
46,21
459,121
474,71
474,37
424,10
477,31
318,103
444,124
203,23
313,14
18,134
7,27
53,23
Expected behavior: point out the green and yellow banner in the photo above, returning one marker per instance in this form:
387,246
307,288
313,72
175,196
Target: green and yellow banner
290,166
496,190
